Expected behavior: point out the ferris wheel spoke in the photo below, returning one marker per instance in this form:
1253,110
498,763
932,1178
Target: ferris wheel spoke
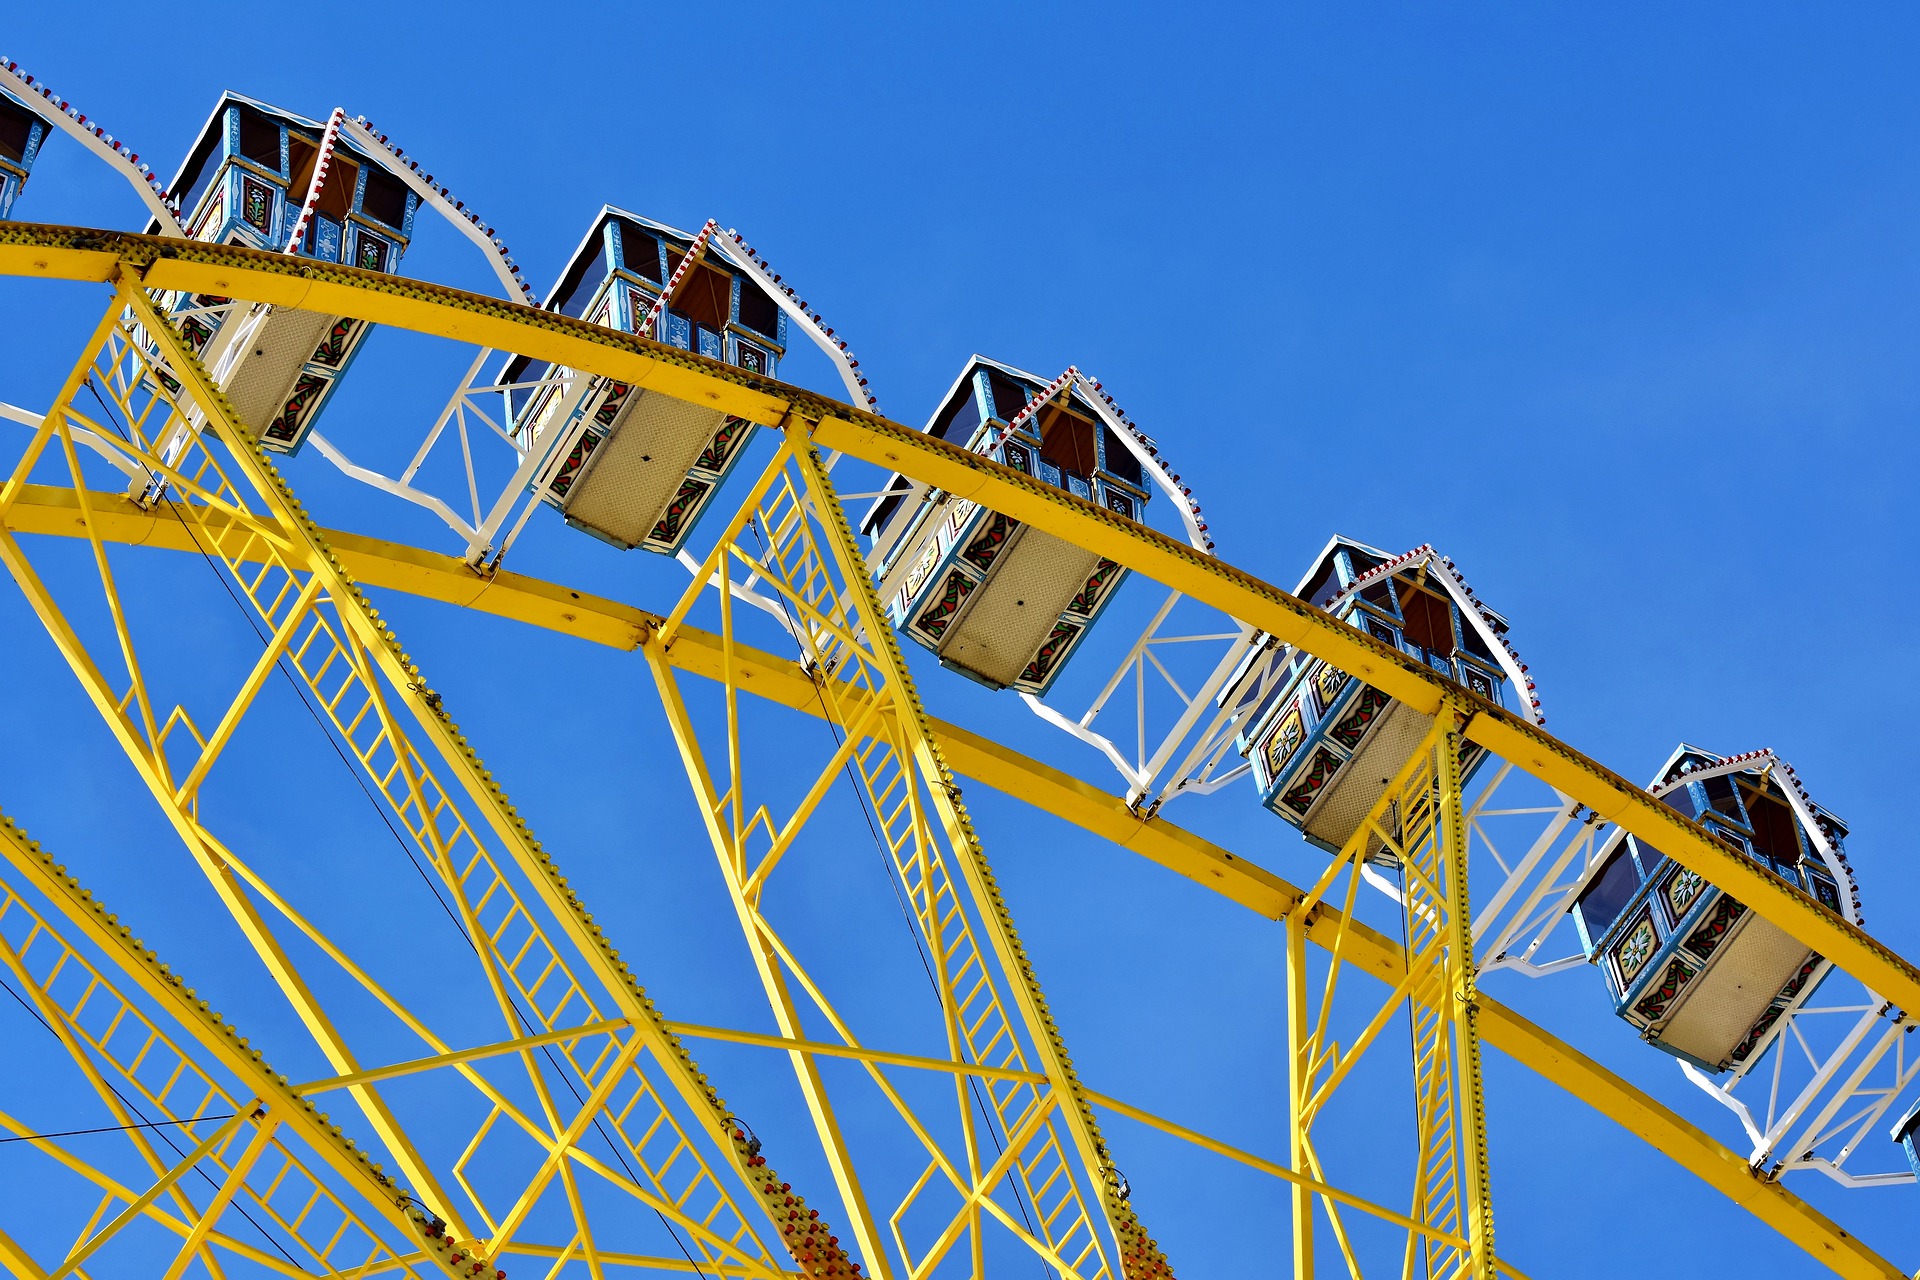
522,959
1240,879
548,967
975,1188
1417,829
150,1075
140,399
790,532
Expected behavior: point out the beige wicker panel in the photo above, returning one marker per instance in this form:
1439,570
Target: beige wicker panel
264,373
636,472
1353,791
1745,973
1015,609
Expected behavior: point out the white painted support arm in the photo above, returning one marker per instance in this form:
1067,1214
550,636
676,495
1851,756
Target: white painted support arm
734,248
92,440
55,110
464,220
387,484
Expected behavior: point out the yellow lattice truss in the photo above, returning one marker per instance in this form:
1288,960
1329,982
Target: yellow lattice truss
578,1116
1416,829
1023,1119
606,1092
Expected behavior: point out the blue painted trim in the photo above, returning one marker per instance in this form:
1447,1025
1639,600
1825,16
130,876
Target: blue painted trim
1906,1132
950,560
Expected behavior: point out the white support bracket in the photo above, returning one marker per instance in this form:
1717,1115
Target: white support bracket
55,110
389,157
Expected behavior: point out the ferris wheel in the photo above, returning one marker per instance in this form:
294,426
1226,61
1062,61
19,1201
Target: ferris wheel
488,1088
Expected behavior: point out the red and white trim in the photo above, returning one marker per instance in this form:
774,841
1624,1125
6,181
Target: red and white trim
1165,478
1477,614
737,253
646,328
361,131
56,111
329,139
808,319
1035,405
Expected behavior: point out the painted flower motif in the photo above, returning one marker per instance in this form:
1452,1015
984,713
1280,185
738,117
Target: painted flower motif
1285,741
1684,890
1635,950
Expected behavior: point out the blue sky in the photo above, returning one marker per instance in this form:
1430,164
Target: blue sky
1615,307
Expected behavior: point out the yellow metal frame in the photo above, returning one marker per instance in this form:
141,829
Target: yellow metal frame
539,949
791,536
256,534
1416,826
68,253
74,995
533,602
54,511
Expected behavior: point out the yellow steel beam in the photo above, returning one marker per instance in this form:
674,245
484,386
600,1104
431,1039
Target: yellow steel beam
809,559
1407,680
1450,864
131,718
236,1179
1417,818
252,275
390,678
86,255
80,254
396,566
91,919
454,1057
1299,1181
859,1053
